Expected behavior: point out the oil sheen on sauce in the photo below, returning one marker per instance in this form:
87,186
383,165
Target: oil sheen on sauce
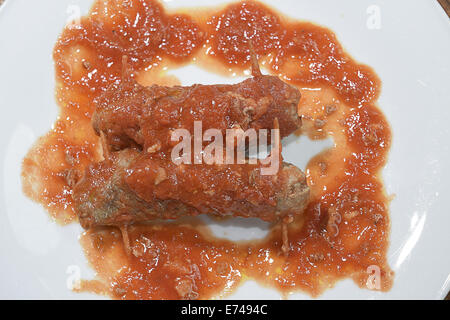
344,231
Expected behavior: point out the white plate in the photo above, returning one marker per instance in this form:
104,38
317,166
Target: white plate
409,49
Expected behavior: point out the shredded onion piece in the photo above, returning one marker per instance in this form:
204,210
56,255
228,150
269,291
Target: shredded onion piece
126,239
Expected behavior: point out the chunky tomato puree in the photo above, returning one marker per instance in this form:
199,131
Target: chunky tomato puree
344,231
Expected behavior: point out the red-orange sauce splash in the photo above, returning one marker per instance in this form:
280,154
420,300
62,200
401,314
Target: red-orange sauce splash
345,228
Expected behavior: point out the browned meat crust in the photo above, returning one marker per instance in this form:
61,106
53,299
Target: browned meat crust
134,187
138,182
129,114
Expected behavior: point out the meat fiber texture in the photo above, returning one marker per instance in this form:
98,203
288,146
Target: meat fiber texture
138,181
131,115
132,187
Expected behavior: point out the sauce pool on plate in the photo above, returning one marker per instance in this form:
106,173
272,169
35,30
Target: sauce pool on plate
345,228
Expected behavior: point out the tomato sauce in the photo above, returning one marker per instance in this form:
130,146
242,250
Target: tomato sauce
344,231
